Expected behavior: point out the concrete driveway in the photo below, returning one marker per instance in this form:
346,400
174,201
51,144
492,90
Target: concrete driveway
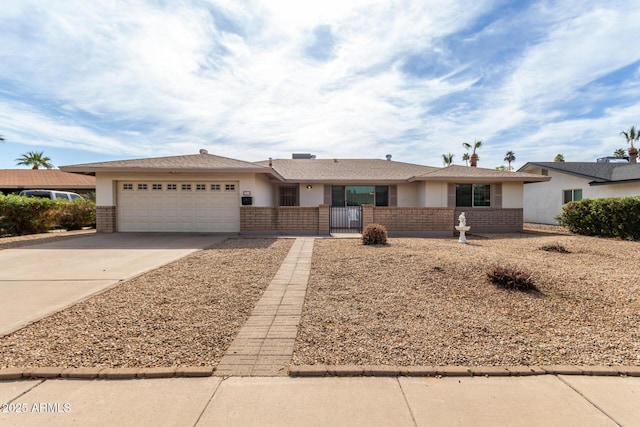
38,280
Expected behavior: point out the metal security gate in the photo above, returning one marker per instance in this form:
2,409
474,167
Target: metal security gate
346,219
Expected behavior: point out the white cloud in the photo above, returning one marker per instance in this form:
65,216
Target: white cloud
235,77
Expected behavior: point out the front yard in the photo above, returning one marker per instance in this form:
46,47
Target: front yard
428,302
413,302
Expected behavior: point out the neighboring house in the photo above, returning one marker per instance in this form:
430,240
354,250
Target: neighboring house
208,193
16,180
543,201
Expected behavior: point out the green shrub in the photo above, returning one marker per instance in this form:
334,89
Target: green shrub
609,217
24,215
512,278
29,215
374,234
75,215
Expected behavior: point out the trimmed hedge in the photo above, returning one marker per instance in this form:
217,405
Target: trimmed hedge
29,215
609,217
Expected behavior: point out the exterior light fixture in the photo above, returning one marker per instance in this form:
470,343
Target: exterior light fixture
309,187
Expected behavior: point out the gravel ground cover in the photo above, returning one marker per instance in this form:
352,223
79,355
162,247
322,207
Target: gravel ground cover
429,302
183,314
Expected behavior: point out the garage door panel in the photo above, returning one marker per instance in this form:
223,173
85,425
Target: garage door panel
163,207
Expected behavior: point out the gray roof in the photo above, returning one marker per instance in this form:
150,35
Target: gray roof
189,163
598,173
346,170
463,174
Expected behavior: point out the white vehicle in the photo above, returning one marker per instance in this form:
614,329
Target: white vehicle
51,194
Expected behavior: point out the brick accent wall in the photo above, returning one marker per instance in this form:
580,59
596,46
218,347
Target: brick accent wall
414,220
282,219
497,220
106,219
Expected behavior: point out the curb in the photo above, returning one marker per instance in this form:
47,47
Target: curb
459,371
306,371
8,374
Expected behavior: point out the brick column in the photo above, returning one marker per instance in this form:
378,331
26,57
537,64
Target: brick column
323,219
106,219
367,215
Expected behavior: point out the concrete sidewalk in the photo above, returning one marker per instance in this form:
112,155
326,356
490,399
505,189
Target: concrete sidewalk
275,401
40,279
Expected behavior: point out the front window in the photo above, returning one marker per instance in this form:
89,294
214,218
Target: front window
288,196
473,195
571,195
357,195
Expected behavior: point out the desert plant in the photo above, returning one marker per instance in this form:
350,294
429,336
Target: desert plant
374,234
555,247
512,278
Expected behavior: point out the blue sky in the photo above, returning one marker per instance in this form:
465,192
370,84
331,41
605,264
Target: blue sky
87,81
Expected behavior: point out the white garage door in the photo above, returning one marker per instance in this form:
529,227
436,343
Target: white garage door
202,206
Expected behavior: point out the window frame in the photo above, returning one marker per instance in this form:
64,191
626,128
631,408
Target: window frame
573,195
474,195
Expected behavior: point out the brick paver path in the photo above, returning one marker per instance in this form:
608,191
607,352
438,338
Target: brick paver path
264,345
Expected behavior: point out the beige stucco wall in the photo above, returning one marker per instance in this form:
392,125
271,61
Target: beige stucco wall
408,195
512,195
313,196
435,194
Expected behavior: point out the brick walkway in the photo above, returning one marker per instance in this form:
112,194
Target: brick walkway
264,345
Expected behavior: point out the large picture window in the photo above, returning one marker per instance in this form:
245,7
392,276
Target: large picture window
357,195
473,195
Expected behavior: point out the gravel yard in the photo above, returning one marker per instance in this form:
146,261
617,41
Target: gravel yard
183,314
429,302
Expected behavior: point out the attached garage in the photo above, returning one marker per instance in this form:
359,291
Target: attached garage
178,206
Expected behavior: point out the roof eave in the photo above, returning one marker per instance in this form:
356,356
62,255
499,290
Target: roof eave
190,170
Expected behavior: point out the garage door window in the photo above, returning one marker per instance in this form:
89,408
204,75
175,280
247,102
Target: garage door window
215,187
201,187
230,187
156,187
127,186
172,187
142,187
186,187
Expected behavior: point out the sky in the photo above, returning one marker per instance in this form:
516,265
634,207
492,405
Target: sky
91,81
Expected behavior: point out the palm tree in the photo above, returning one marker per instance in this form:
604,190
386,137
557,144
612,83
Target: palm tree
35,160
474,157
466,158
619,153
510,157
447,159
631,137
1,138
559,158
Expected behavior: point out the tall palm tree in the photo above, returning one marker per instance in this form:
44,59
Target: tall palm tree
632,136
510,157
447,159
619,153
466,158
559,158
34,159
474,157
